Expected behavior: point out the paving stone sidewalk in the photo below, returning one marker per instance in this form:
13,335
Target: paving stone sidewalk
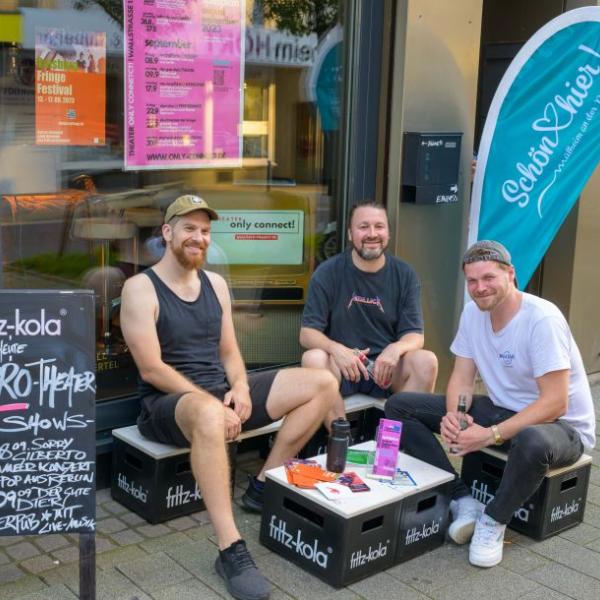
174,561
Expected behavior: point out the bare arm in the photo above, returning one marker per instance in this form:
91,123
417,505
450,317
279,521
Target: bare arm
348,362
550,405
139,310
388,360
230,354
313,338
409,341
462,381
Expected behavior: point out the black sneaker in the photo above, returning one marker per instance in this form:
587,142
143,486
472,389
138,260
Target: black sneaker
242,579
253,498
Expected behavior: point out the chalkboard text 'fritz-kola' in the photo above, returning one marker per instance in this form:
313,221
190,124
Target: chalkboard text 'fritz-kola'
30,327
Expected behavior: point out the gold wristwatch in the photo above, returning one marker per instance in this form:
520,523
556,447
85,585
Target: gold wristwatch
498,439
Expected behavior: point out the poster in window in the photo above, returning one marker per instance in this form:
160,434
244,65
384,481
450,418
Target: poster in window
258,237
70,87
184,73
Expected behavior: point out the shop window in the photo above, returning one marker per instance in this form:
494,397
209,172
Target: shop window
71,217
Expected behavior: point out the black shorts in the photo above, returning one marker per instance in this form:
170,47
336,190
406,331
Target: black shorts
157,418
370,388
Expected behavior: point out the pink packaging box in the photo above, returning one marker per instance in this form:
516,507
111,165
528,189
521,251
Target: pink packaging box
387,447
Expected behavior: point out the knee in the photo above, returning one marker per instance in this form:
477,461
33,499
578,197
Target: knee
399,406
207,418
315,359
423,364
530,446
328,387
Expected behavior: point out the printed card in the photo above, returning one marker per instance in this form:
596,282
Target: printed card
334,491
353,481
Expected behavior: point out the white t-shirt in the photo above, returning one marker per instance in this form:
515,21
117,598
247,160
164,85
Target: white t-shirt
536,341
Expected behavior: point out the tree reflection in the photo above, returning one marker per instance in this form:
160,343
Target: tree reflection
298,17
301,17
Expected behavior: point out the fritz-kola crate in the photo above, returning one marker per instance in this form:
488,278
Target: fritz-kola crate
351,539
558,503
155,480
423,522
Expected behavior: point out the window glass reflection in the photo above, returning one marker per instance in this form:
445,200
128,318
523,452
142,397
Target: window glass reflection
70,217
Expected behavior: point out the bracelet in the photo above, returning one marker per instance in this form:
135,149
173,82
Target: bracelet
498,439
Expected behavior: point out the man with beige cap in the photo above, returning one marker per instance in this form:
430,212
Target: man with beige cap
194,389
539,406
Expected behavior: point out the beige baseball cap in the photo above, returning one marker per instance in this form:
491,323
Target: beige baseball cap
186,204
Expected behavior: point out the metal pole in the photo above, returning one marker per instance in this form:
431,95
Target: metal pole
87,566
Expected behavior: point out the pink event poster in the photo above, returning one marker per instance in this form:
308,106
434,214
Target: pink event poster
184,76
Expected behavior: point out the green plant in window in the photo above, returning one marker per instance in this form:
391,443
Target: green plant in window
298,17
69,266
113,8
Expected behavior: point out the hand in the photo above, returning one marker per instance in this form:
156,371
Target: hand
238,398
385,365
472,439
450,427
349,363
233,424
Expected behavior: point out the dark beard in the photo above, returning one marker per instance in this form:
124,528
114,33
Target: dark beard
369,254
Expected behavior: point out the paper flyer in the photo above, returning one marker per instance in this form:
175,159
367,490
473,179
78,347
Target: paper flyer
70,87
184,77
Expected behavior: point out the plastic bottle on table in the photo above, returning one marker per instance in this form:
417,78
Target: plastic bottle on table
337,445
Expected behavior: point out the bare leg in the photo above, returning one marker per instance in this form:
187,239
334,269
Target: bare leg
416,372
319,359
305,396
200,418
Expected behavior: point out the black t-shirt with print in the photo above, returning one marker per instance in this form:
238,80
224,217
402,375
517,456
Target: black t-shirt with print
364,310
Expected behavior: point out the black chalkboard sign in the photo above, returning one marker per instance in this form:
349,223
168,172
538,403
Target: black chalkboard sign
47,412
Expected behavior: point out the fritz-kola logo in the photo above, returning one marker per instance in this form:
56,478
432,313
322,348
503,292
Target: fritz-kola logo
560,512
507,358
129,487
278,531
360,558
20,326
364,300
178,496
417,535
484,496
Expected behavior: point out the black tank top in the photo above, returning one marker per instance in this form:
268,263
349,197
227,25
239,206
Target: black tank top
189,334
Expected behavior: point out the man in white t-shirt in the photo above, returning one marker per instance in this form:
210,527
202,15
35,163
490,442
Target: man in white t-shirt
539,407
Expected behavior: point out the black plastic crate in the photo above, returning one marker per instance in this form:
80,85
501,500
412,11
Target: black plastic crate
423,520
155,480
371,420
558,504
336,549
344,542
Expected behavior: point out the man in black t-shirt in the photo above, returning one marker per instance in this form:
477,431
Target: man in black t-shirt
364,302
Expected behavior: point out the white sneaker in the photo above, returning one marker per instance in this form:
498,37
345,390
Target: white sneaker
487,543
465,513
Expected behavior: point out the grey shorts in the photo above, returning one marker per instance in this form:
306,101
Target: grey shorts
157,417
